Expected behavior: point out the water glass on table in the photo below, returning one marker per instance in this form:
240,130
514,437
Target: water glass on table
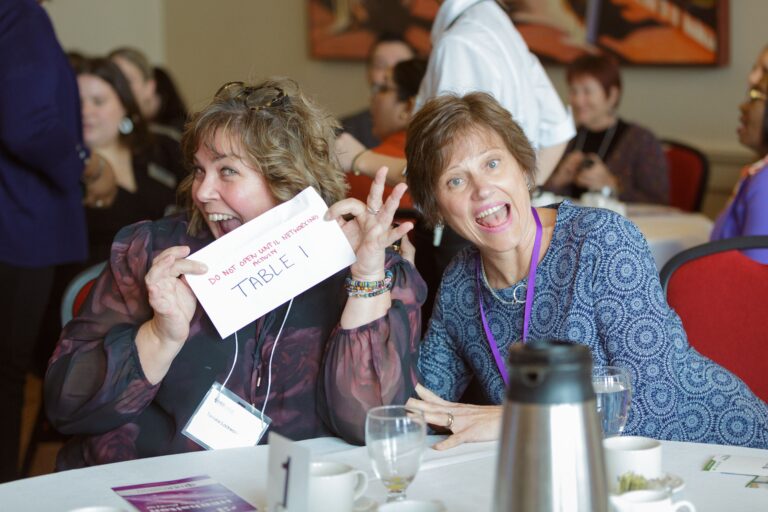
395,437
613,390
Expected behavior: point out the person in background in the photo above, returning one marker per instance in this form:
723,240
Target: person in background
747,212
563,272
607,152
391,109
131,369
145,87
387,51
476,47
148,167
44,169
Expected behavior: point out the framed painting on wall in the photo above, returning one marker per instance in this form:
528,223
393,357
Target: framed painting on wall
637,32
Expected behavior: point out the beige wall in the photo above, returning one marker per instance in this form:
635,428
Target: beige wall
97,26
207,42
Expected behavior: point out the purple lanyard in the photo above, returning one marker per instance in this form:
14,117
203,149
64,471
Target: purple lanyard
530,290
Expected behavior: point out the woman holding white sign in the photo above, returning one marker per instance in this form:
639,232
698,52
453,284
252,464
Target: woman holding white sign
141,371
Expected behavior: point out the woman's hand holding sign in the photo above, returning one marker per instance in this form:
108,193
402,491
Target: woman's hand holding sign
370,232
160,339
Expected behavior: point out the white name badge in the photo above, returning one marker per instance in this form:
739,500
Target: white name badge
269,260
224,420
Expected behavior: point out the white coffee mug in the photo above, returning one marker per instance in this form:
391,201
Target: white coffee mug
335,486
412,506
650,500
625,454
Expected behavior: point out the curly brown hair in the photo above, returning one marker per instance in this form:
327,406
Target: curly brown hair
435,129
283,134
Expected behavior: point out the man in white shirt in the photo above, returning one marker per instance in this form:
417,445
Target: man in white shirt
477,48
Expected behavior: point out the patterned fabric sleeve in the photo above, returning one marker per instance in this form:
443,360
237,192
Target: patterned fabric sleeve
374,364
677,392
442,366
95,382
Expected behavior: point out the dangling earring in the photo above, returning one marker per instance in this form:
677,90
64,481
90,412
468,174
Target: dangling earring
437,233
126,125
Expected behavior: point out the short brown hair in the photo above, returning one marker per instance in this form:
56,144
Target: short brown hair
283,134
603,68
436,127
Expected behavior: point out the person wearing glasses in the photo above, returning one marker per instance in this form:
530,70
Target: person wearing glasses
388,50
747,211
391,109
131,369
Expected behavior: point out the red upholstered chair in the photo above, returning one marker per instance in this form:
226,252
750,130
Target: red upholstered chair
721,296
77,290
688,175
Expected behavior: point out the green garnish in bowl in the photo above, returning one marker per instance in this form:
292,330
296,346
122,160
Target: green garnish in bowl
631,482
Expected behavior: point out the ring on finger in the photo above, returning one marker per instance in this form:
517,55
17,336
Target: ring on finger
450,421
99,203
372,211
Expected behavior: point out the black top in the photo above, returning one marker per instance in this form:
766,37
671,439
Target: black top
158,170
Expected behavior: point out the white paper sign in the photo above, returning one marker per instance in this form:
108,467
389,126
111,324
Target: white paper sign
268,261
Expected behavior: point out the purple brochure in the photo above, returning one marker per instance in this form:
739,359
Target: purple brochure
198,493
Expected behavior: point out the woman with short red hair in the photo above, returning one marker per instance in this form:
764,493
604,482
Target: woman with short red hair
607,152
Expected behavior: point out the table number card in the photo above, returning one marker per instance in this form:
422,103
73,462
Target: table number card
269,260
287,475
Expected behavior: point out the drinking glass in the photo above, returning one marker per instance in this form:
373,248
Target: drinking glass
395,437
613,390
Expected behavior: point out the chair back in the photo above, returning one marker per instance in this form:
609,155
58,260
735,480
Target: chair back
77,290
688,175
720,295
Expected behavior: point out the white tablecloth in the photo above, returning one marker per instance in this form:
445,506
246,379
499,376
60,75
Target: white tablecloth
669,231
463,478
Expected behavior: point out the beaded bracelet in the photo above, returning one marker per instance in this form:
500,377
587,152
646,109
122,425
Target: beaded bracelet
366,289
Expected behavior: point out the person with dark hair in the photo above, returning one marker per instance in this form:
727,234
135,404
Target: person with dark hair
746,213
607,152
148,167
391,110
387,51
172,111
564,272
131,369
44,170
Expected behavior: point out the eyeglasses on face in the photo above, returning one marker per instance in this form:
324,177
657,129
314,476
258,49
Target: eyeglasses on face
756,94
246,94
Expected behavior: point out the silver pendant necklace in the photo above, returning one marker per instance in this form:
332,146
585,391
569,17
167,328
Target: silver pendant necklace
521,288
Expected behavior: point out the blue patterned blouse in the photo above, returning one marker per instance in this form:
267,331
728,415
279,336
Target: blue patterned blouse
597,285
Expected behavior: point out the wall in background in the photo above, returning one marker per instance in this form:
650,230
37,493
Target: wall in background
97,26
206,43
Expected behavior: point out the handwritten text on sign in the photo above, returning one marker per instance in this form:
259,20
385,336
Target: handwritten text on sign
269,260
